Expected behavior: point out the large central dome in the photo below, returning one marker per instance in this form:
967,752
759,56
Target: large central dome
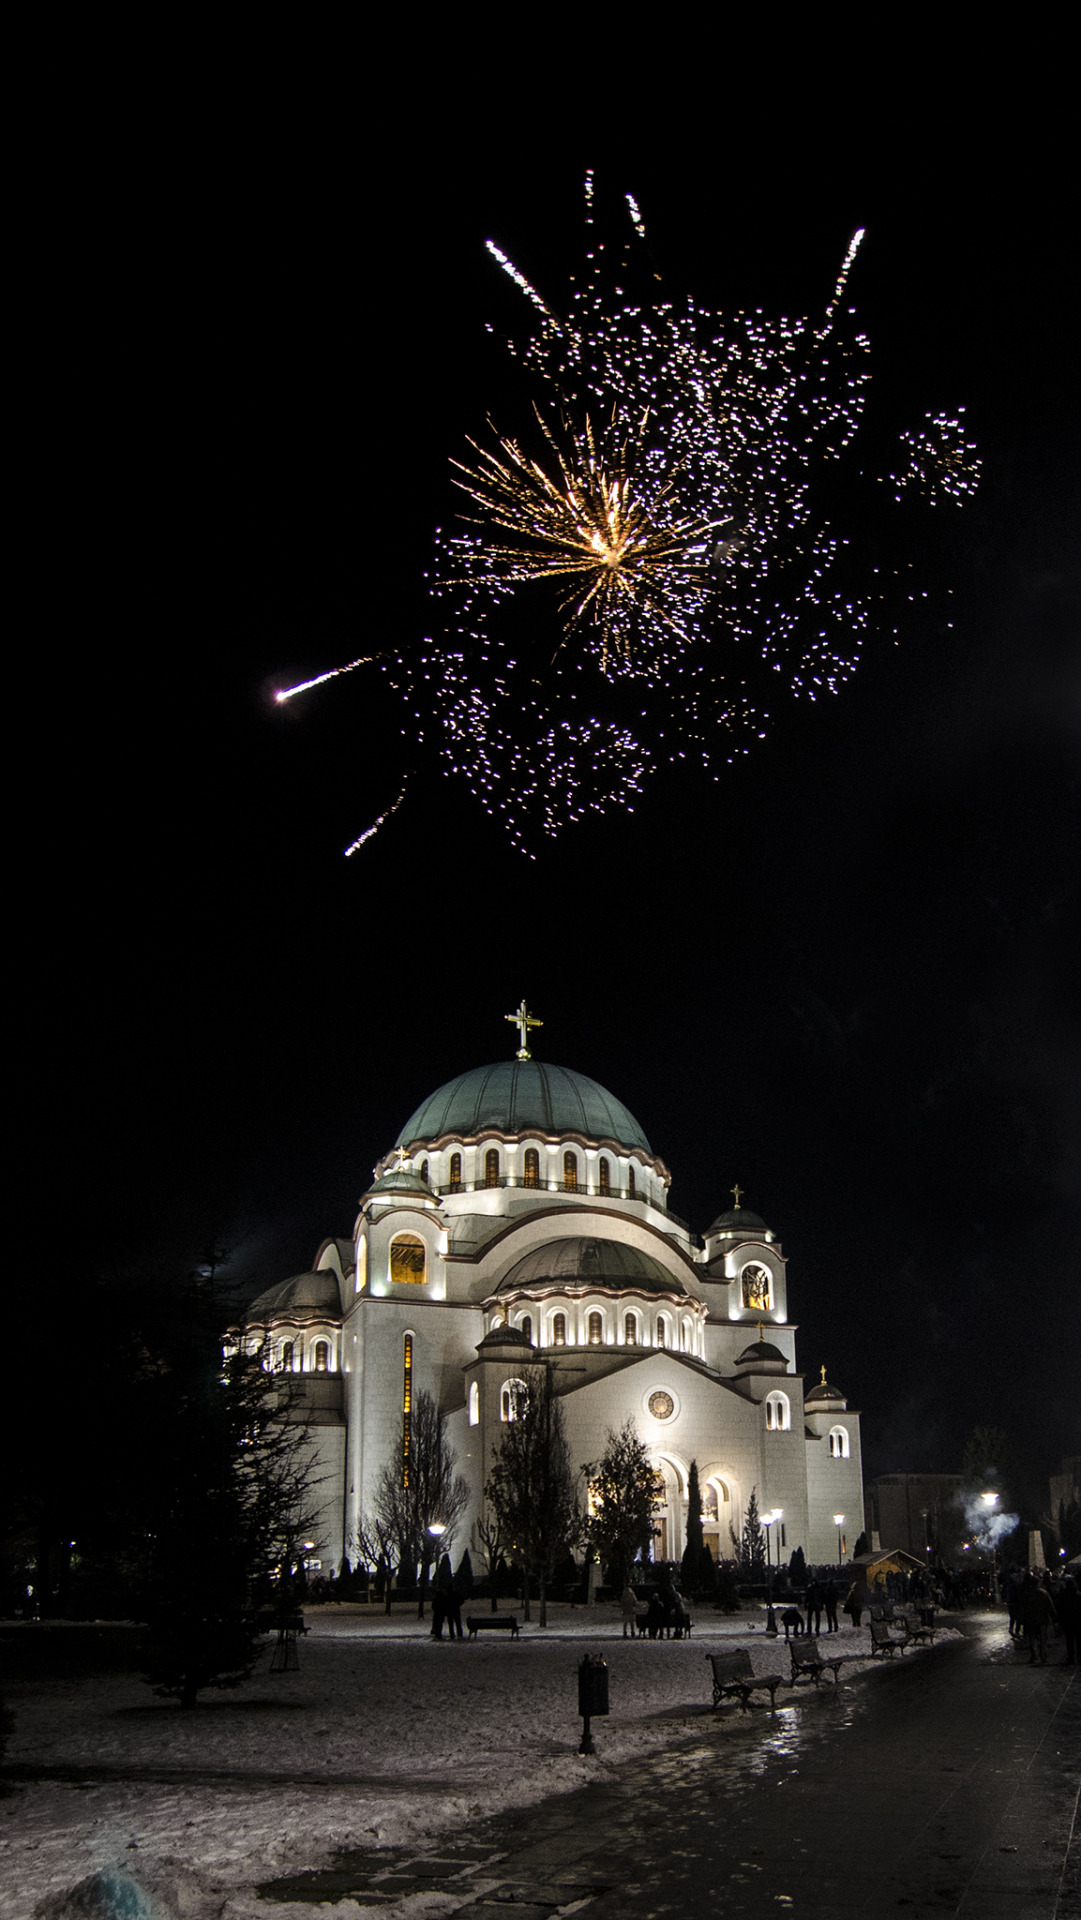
523,1096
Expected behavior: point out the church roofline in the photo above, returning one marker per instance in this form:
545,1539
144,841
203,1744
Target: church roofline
585,1140
571,1290
526,1221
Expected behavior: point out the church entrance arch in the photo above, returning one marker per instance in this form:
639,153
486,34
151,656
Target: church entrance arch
669,1539
722,1511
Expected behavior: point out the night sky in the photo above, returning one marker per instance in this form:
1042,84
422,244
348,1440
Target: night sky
845,974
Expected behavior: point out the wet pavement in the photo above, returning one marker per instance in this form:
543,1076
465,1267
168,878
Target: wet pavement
943,1784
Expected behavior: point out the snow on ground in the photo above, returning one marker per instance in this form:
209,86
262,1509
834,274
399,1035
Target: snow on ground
383,1737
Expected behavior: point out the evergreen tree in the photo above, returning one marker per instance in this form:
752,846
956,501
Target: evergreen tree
693,1564
751,1547
233,1504
797,1568
624,1494
530,1488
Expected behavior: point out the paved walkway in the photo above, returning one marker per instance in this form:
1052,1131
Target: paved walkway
941,1786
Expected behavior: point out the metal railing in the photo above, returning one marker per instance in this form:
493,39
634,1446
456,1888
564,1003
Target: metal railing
551,1186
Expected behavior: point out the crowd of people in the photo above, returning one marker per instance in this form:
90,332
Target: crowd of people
1037,1602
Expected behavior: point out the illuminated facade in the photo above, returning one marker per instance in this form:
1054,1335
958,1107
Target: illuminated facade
522,1216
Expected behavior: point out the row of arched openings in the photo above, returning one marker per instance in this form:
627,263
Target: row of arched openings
320,1357
531,1172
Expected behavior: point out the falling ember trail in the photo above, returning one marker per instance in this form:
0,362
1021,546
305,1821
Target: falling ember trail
377,823
305,686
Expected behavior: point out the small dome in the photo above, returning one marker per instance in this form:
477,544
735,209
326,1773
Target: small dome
761,1350
580,1261
506,1336
307,1296
523,1096
823,1391
400,1180
738,1220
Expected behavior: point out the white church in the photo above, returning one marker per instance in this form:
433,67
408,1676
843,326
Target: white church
522,1216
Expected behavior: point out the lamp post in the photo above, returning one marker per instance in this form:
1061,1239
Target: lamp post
770,1520
990,1502
838,1521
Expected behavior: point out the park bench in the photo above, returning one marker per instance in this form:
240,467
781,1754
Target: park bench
809,1662
918,1629
663,1629
734,1674
882,1641
480,1622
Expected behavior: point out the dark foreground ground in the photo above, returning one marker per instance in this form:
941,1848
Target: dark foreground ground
940,1786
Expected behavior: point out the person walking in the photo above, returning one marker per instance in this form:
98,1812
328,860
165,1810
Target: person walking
829,1596
813,1601
628,1604
1069,1617
1036,1615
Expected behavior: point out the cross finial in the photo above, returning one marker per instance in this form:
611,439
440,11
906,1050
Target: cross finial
400,1168
823,1376
523,1020
761,1332
737,1190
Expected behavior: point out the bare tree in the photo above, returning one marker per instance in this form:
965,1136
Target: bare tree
531,1488
420,1503
489,1534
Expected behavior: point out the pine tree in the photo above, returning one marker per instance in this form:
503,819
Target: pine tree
624,1494
693,1562
752,1546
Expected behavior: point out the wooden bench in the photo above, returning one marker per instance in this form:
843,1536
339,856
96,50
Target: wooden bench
917,1630
480,1622
882,1640
808,1661
734,1674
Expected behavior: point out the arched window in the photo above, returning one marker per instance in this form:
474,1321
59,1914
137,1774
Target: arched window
596,1330
512,1399
531,1168
407,1260
684,1337
287,1357
570,1172
322,1356
491,1168
778,1413
455,1169
839,1443
559,1330
474,1405
630,1329
527,1328
604,1176
407,1406
631,1189
661,1332
424,1171
755,1282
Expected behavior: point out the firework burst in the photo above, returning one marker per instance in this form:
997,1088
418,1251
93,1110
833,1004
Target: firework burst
639,573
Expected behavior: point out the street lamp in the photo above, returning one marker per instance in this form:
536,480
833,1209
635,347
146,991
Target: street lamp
838,1521
990,1502
768,1521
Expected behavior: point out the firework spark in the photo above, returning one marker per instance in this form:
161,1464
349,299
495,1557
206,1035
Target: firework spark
305,686
370,832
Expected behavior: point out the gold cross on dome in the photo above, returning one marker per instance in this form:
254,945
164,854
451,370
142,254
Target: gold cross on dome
523,1020
823,1376
737,1190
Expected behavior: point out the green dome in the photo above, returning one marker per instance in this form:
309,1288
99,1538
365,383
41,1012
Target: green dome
579,1261
307,1296
523,1096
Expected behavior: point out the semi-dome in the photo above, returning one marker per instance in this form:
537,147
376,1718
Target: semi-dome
307,1296
823,1391
580,1261
523,1096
